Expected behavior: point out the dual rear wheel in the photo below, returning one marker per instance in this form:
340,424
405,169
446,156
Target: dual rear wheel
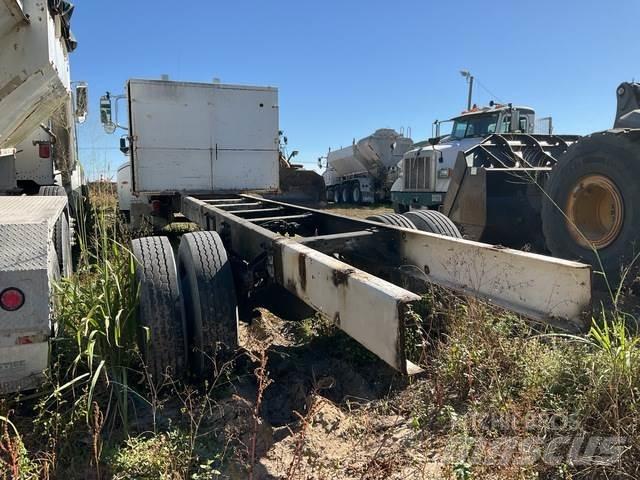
346,193
430,221
188,308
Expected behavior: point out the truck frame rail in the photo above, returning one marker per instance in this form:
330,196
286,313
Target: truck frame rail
365,276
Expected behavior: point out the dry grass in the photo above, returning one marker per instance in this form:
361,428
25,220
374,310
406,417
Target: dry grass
359,211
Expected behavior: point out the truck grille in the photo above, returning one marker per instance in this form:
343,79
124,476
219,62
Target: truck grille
417,174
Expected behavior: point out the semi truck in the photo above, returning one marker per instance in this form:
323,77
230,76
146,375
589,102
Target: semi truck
425,170
210,153
365,171
38,173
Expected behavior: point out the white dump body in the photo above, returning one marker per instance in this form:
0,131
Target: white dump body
198,137
374,154
34,69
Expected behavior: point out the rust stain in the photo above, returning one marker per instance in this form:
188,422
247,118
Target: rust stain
342,276
302,270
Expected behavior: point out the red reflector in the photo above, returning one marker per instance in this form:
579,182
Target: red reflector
44,150
11,299
155,206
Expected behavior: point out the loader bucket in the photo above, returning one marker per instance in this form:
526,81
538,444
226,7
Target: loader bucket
495,193
302,187
497,205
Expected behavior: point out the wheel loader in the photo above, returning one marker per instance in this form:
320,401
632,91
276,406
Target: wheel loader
575,197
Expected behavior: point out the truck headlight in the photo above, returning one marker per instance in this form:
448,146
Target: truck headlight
444,173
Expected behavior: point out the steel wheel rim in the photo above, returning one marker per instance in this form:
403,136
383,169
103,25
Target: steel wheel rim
595,212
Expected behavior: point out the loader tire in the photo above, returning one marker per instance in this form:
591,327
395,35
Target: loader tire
393,219
594,187
210,303
433,221
163,341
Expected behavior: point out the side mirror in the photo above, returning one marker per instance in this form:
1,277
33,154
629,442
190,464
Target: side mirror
105,114
82,102
320,163
124,144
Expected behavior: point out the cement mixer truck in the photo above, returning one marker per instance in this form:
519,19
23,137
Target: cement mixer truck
38,173
365,171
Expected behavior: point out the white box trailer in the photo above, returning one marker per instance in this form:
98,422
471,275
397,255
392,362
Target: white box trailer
202,137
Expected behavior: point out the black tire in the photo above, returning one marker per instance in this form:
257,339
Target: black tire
345,193
337,195
52,191
356,194
329,194
400,208
210,303
615,157
63,234
160,309
434,222
62,231
393,219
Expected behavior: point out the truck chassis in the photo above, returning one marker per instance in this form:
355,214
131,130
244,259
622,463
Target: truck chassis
365,276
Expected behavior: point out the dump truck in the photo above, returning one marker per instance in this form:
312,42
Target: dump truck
574,197
425,171
38,168
365,171
254,251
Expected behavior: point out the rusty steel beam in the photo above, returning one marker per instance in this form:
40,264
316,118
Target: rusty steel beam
372,311
545,289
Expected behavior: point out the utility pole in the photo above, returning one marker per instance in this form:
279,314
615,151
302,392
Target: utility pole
466,74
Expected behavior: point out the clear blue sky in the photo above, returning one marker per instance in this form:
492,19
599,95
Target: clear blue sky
345,68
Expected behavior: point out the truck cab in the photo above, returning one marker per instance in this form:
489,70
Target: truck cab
425,171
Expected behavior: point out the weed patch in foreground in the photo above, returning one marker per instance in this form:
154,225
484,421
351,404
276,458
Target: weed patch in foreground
510,397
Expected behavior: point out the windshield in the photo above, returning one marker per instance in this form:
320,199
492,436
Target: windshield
475,126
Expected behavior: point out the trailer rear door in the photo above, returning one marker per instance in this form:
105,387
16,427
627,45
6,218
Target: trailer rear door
196,137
